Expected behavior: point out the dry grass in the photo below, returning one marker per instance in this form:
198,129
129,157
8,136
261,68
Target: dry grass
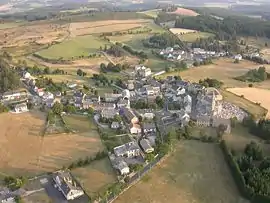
96,176
266,53
37,197
256,95
180,31
185,12
196,172
84,28
24,152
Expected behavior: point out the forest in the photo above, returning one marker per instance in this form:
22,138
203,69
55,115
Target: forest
254,75
228,28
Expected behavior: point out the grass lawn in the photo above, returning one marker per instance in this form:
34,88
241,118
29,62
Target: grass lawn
196,172
191,37
243,103
75,47
96,176
80,123
65,78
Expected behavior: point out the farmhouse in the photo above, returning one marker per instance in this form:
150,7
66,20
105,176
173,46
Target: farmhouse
19,108
145,145
68,187
130,149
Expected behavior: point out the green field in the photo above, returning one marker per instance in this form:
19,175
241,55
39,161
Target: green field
75,47
67,78
191,37
96,176
195,172
80,123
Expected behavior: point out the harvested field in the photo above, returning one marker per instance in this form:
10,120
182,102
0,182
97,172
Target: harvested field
181,31
73,48
84,28
33,34
184,178
256,95
24,152
152,13
185,12
8,25
96,176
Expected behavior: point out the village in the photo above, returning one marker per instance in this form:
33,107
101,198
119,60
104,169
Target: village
144,108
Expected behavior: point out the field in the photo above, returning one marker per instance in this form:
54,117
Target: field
96,176
152,13
66,78
222,69
196,172
75,47
181,31
84,28
266,53
25,152
256,95
8,25
192,37
184,12
244,103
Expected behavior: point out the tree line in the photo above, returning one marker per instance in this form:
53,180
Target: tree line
254,75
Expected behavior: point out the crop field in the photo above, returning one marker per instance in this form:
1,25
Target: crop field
184,177
256,110
25,152
256,95
86,28
75,47
96,176
192,37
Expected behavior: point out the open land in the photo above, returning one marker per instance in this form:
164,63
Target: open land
181,178
180,31
25,152
256,95
96,176
192,37
185,12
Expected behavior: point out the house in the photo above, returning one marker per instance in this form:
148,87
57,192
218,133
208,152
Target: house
123,103
149,127
146,113
11,95
49,103
126,94
145,145
169,50
98,106
142,71
119,164
78,95
129,115
26,75
110,97
115,125
78,102
135,129
130,149
19,108
47,95
184,118
65,183
71,85
39,91
109,113
238,57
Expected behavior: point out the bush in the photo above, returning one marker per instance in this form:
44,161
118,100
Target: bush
250,85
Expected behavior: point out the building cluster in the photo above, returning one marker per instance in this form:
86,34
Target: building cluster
196,54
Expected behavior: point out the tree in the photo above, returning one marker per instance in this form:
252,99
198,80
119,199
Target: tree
79,72
57,108
46,70
254,151
70,109
150,157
